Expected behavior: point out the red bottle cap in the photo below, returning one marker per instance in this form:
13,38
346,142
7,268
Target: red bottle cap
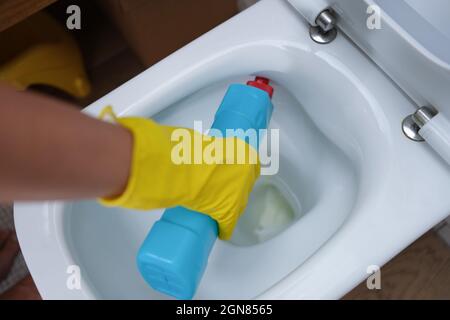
263,84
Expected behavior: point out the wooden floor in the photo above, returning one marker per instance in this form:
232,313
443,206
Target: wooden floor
422,271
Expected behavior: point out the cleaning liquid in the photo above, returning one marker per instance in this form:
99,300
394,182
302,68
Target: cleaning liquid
271,208
175,253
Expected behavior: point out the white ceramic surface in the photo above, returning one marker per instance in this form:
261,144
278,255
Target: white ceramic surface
361,185
412,44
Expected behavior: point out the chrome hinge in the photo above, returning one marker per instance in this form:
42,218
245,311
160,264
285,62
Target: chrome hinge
325,31
428,124
412,124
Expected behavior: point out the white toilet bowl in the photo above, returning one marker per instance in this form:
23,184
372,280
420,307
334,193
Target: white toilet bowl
355,186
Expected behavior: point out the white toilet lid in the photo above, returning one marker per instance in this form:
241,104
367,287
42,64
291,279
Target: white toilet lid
412,44
428,22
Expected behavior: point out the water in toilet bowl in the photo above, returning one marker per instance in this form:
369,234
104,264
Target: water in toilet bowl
272,207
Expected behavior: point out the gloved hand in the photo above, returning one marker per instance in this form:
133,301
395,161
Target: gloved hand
218,190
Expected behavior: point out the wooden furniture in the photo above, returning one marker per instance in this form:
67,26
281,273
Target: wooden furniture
14,11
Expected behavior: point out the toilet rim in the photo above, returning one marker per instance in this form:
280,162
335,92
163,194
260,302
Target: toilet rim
46,241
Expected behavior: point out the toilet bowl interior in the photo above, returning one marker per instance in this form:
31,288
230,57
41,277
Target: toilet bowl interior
290,215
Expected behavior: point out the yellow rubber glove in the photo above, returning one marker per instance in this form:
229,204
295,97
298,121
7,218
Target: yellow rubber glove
218,190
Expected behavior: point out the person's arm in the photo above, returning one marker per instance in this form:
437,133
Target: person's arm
49,150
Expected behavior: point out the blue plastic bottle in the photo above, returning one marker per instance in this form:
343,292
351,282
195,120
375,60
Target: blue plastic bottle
175,253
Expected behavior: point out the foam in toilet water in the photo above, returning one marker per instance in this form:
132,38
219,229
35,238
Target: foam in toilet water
271,209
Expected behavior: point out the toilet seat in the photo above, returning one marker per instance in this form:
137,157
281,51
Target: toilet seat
340,97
